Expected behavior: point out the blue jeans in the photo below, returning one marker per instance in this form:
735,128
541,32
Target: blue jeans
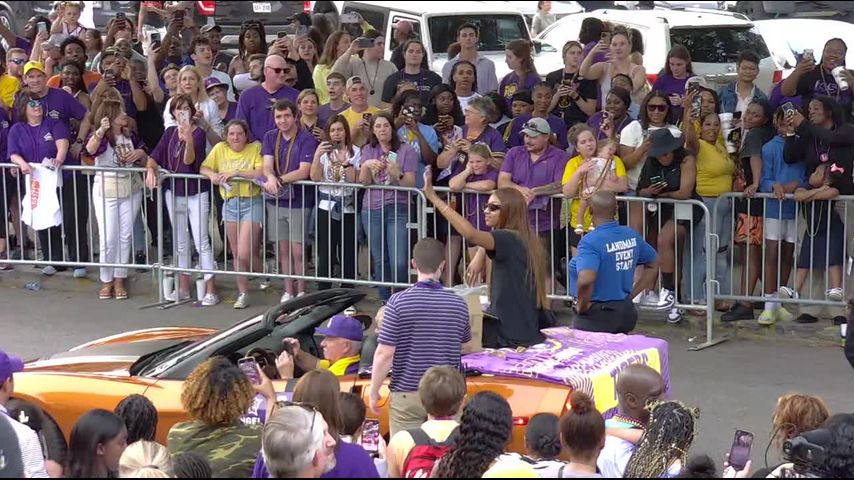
721,220
389,242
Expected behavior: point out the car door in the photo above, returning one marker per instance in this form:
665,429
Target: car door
396,17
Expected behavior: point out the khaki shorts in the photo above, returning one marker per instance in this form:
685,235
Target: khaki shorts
405,412
286,224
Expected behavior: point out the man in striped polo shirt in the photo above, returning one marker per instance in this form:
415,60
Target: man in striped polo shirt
424,326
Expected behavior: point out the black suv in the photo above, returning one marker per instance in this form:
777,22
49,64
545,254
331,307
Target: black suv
14,15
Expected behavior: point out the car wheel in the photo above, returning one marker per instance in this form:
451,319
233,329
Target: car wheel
49,432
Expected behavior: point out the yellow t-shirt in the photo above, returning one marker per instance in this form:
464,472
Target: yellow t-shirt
319,76
340,367
353,120
715,170
402,443
223,159
571,207
509,466
9,86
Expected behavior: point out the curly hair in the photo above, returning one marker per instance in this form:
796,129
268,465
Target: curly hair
542,439
140,416
669,434
217,393
191,465
796,414
839,462
485,429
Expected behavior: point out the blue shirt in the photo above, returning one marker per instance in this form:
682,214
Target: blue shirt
729,97
776,170
613,252
429,134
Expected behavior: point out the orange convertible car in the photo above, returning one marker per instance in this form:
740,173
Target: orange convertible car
155,363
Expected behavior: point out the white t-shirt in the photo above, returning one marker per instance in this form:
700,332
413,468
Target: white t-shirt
633,136
210,112
464,101
329,175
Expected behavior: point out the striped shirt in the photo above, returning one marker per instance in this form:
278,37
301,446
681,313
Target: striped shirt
31,447
428,326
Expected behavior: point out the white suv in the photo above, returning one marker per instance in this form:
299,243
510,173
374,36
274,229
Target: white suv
714,40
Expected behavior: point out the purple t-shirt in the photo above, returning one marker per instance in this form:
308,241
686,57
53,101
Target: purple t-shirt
600,57
351,461
407,161
231,113
4,133
509,85
292,153
557,125
325,112
670,85
255,106
123,86
595,121
548,169
34,144
777,98
474,202
169,154
59,105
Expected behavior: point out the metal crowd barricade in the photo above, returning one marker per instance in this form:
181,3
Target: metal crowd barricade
804,228
279,248
555,214
75,242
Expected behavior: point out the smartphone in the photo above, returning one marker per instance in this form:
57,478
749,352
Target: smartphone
155,37
249,367
363,42
371,436
788,109
120,15
656,180
42,27
739,454
692,84
366,116
109,74
808,54
348,18
281,34
183,117
336,145
286,347
736,115
605,37
606,115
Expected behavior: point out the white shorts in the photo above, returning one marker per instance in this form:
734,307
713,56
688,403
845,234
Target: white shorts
776,229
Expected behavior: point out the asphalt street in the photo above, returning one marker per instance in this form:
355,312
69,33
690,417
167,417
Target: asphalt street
735,384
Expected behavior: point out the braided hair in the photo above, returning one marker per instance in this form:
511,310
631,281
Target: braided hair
669,434
191,465
485,429
140,416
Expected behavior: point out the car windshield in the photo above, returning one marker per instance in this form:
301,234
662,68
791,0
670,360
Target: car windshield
718,44
496,31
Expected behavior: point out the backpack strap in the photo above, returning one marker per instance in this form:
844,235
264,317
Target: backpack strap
420,437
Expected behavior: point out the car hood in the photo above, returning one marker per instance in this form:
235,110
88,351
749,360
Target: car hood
115,354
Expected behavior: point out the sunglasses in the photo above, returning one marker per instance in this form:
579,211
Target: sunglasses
279,71
657,108
307,407
34,103
492,207
19,61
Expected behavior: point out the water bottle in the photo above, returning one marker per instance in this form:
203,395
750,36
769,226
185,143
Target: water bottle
33,286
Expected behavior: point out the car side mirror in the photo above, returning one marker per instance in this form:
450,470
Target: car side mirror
538,47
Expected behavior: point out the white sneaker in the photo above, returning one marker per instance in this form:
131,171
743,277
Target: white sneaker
286,297
79,273
674,316
175,296
639,298
651,298
835,294
242,301
210,300
666,299
786,292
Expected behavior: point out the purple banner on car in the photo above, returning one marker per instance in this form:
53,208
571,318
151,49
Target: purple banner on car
585,361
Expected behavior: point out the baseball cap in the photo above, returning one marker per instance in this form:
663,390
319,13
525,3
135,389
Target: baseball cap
354,80
536,127
11,462
342,326
33,65
9,365
212,82
522,96
211,26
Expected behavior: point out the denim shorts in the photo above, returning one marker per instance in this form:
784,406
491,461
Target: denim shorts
243,210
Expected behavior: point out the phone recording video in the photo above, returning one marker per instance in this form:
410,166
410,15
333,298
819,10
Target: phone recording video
788,109
363,42
739,454
249,367
371,436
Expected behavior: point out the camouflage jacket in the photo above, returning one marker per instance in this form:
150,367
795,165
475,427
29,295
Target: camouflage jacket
231,450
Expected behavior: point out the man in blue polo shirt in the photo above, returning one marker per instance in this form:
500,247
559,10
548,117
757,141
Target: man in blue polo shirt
602,274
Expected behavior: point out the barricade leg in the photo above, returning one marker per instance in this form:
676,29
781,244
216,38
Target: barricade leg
710,245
